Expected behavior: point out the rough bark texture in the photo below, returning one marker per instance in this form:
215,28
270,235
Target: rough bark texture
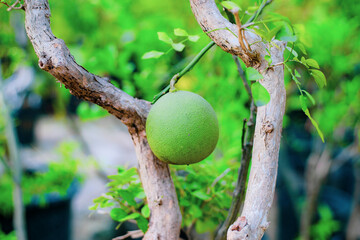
261,187
155,175
55,58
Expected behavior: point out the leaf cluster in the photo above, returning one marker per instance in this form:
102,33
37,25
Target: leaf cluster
126,198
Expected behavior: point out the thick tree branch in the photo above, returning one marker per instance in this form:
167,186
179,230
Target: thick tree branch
261,186
55,58
221,31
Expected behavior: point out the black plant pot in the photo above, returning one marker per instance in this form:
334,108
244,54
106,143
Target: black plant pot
44,222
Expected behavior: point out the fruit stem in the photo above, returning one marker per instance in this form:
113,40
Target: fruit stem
173,81
188,67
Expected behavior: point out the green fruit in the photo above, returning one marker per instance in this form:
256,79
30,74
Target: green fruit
182,128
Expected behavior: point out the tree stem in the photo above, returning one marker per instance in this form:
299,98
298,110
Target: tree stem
188,67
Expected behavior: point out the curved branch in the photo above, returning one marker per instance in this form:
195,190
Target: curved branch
223,32
55,58
261,186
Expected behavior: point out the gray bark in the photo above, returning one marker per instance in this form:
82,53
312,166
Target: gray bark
253,222
56,59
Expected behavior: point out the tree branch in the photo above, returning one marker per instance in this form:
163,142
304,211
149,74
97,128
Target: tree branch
221,31
55,58
261,186
188,67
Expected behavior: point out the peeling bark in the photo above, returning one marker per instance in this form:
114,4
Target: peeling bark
55,58
253,222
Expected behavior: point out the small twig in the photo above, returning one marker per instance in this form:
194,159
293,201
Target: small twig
259,11
185,70
216,180
13,6
5,4
240,35
132,234
277,64
242,76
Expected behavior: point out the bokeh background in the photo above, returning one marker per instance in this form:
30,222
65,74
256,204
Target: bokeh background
68,147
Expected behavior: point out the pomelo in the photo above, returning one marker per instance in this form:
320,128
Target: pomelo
182,128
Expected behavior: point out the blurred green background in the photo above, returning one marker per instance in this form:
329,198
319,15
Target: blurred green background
110,37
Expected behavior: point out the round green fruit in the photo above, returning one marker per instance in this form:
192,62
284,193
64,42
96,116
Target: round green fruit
182,128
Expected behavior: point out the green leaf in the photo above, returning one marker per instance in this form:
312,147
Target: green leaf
302,48
195,211
180,32
145,211
230,5
303,102
94,207
131,172
130,216
277,15
303,61
312,100
141,195
292,51
118,214
252,74
128,196
142,223
268,59
312,63
307,113
272,33
297,74
178,46
194,38
201,195
260,32
260,94
164,37
287,34
152,54
319,77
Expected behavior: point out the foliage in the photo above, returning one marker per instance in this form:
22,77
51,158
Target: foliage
326,225
126,198
39,185
9,236
204,193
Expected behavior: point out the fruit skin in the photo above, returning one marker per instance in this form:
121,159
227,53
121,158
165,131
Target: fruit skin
182,128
